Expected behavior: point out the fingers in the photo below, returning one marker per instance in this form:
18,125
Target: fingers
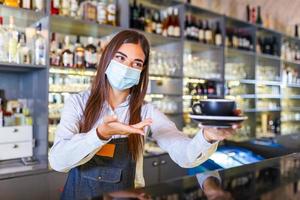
142,124
111,118
125,129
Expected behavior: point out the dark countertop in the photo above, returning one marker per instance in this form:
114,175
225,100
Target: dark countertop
276,178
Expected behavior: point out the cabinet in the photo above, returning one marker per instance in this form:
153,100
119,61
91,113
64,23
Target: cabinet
161,168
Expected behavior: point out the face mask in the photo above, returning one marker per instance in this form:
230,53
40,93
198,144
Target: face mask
122,77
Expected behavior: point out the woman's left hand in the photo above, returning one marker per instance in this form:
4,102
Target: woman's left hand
212,134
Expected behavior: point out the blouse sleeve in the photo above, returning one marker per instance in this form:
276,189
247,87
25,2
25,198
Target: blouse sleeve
186,152
70,147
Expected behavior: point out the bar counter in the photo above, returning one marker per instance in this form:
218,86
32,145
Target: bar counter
275,178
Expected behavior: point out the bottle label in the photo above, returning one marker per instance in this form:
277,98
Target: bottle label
91,58
218,39
176,31
56,3
12,48
201,34
40,55
171,30
208,35
101,14
79,58
26,4
68,59
39,5
159,28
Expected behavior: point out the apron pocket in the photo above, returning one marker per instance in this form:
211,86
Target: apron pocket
103,174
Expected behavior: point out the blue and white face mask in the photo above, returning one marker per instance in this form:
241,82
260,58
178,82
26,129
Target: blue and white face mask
122,77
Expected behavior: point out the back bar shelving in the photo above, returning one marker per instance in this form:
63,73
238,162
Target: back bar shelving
28,81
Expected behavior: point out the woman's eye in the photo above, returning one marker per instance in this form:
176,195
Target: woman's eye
138,65
120,58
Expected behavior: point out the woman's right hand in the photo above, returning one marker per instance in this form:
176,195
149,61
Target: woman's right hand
111,126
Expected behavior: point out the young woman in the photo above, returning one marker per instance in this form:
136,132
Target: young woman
100,138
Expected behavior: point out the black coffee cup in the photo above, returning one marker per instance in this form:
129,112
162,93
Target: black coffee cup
215,107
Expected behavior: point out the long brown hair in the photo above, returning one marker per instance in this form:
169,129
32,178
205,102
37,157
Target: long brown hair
100,88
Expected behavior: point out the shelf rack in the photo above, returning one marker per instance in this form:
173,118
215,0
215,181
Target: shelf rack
29,81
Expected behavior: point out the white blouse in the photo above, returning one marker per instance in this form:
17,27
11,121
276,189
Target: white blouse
72,148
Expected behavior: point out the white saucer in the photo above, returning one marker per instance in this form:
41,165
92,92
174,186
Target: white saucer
218,118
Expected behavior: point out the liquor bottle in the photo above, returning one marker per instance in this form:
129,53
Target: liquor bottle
158,27
65,7
3,42
148,21
39,47
248,13
90,54
253,15
112,14
89,11
78,54
165,23
208,34
55,5
73,8
12,41
12,3
134,11
176,23
296,31
53,51
101,13
23,52
67,54
218,35
194,29
154,21
201,37
171,22
38,5
26,4
259,19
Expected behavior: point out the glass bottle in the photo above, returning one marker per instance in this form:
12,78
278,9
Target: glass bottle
26,4
158,24
55,6
148,21
38,5
89,11
78,54
39,47
12,3
176,23
111,13
3,42
90,54
171,22
67,54
65,7
101,13
53,51
218,35
12,41
73,8
23,52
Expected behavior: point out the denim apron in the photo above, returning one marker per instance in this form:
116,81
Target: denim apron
102,174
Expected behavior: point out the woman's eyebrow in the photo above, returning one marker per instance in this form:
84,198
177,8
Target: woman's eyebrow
137,59
122,54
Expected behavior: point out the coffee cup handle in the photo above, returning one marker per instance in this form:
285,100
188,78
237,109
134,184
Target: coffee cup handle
194,108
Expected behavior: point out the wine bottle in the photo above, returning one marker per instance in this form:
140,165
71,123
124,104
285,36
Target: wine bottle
208,34
158,24
90,54
259,19
218,35
141,18
171,22
55,5
296,31
67,54
135,15
201,36
78,54
176,23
